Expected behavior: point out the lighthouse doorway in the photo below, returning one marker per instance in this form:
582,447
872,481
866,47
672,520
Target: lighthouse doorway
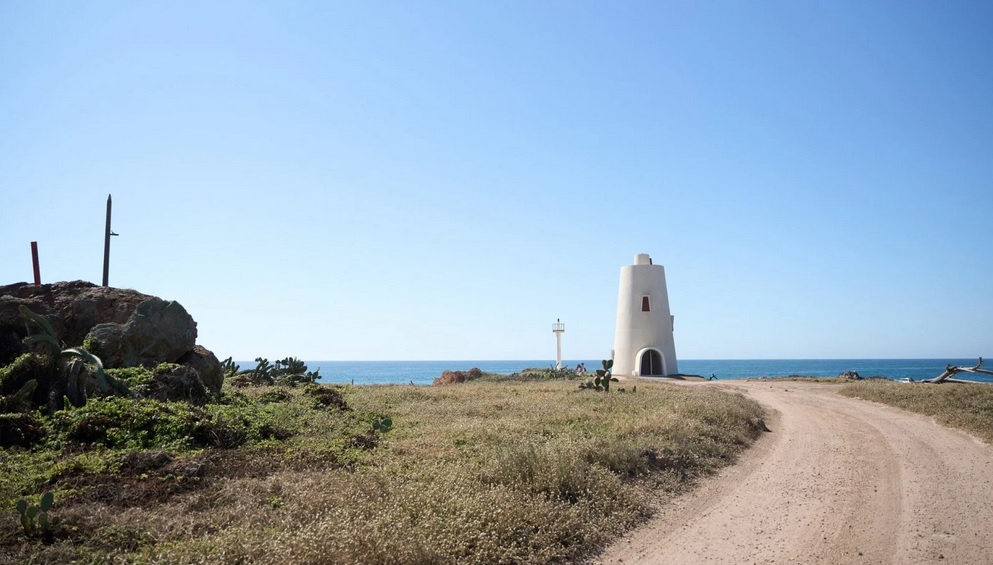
652,363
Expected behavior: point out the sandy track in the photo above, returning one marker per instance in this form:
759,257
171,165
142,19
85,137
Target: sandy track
838,480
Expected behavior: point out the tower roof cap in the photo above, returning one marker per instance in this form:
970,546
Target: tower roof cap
642,259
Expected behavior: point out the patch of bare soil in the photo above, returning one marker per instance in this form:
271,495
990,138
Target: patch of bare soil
837,480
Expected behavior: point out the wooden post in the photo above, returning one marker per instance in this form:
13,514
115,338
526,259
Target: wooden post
34,262
106,245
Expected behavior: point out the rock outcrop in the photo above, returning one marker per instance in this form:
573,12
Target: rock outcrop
125,328
181,383
452,377
206,365
157,332
72,307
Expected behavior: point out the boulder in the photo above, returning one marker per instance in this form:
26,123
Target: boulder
453,377
207,365
10,345
759,424
72,307
123,327
181,383
157,332
106,341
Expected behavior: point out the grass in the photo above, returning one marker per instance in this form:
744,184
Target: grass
805,379
967,407
482,472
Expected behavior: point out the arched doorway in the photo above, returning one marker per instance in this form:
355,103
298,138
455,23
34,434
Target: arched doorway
651,363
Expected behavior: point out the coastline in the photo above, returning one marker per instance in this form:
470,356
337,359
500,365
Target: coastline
424,372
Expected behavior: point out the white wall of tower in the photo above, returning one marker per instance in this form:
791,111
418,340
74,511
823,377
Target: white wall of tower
639,331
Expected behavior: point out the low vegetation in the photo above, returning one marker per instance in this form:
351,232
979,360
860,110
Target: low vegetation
289,371
965,406
806,379
483,472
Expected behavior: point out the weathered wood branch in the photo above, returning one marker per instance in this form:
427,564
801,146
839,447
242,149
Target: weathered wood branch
951,370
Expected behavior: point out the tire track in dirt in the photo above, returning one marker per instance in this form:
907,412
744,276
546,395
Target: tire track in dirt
838,480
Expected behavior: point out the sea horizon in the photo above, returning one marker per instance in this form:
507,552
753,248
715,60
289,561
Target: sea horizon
423,372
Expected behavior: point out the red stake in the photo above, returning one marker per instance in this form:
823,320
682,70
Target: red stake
34,261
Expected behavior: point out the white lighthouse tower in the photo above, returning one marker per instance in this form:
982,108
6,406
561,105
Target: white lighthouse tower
558,328
643,342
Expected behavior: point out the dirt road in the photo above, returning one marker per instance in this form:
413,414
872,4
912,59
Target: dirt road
838,480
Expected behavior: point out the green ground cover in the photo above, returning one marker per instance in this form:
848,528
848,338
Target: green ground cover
481,472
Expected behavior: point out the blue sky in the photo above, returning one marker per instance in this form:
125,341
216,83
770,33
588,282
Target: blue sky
442,180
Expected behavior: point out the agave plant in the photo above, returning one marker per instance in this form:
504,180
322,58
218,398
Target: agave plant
47,335
72,362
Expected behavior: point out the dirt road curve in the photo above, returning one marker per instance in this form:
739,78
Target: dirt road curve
838,480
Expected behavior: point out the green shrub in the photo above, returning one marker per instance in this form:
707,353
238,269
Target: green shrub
165,368
235,425
132,423
327,397
138,379
534,374
275,396
20,401
128,423
23,429
27,367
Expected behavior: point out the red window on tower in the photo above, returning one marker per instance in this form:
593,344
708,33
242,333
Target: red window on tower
645,305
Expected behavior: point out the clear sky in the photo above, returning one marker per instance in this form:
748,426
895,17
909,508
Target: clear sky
442,180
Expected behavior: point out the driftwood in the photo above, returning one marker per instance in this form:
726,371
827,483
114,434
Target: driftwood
951,370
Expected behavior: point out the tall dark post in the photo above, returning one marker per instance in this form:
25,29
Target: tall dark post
34,263
106,245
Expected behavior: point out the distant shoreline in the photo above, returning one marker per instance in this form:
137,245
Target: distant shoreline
424,372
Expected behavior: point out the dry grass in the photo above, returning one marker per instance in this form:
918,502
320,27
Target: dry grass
476,473
804,379
968,407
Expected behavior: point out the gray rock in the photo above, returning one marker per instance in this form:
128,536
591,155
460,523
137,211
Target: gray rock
72,307
759,424
106,341
181,383
123,327
207,365
157,332
160,332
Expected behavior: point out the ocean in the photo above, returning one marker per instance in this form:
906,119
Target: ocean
424,372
